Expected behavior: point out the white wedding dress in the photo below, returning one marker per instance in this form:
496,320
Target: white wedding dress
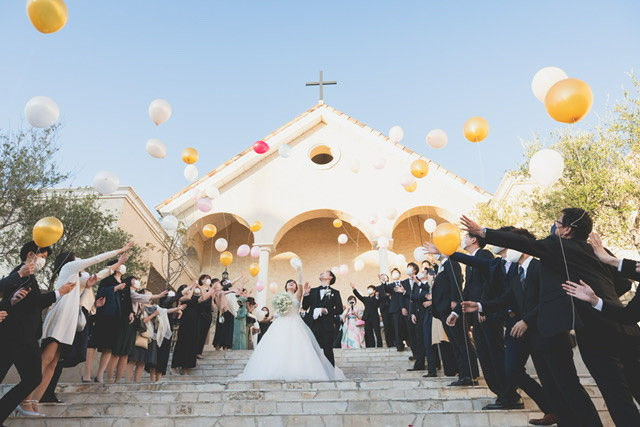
289,351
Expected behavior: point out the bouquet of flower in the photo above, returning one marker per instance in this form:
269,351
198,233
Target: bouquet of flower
282,303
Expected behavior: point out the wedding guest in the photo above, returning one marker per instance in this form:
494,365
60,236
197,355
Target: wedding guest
227,306
205,310
398,308
253,314
145,348
352,325
163,327
265,322
240,323
372,335
384,299
21,330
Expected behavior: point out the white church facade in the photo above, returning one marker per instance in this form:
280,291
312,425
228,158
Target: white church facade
338,168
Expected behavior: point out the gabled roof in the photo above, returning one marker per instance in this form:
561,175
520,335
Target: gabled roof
298,119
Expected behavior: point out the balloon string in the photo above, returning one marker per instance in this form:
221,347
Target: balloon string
462,318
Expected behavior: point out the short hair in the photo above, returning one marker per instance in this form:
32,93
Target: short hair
333,277
580,222
32,247
351,297
506,228
112,262
202,277
414,266
372,287
266,308
524,232
251,300
395,269
481,241
127,280
289,281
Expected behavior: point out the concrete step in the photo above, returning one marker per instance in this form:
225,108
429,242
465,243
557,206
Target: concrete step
421,418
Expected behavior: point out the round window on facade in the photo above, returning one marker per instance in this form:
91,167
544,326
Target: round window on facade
321,155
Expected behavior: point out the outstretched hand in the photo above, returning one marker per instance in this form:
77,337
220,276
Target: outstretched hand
306,288
430,248
581,291
601,253
471,226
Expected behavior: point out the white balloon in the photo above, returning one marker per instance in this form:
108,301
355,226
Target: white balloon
383,242
159,111
373,219
546,167
408,180
284,151
212,192
358,265
106,182
355,166
41,111
169,223
342,239
430,225
191,173
273,286
194,194
344,269
437,138
156,148
379,163
296,263
396,134
221,244
392,214
418,254
335,270
544,79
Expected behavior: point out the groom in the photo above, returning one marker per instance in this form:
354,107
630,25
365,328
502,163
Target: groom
324,306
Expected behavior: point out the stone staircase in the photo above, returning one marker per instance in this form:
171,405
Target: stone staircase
378,392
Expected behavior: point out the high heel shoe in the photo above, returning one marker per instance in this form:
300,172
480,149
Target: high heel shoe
21,411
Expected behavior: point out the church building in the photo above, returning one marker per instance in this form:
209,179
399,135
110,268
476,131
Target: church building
332,168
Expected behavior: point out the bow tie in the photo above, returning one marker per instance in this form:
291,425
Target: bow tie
324,287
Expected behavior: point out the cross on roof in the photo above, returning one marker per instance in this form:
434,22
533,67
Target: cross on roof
321,83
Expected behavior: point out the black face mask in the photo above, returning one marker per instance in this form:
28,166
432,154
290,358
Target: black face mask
553,229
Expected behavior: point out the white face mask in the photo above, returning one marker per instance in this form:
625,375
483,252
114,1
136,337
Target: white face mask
395,275
409,271
370,291
207,282
197,291
436,257
171,294
123,269
135,284
497,249
513,255
39,264
422,275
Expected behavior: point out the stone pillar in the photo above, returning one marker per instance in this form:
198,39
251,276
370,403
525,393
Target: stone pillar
263,276
383,256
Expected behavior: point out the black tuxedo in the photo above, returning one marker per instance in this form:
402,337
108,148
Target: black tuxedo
19,334
371,319
605,346
631,313
7,284
385,302
447,287
399,321
325,327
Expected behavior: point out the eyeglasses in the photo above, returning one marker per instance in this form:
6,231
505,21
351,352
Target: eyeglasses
559,223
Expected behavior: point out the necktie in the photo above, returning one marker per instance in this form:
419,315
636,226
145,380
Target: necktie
522,276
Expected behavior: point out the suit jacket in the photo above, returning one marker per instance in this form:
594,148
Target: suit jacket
631,313
447,287
417,297
24,325
371,305
484,276
384,300
327,322
398,299
522,300
555,310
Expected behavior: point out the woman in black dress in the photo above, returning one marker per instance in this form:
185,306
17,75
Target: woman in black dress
205,310
225,302
159,369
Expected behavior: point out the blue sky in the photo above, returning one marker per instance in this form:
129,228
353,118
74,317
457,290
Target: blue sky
235,71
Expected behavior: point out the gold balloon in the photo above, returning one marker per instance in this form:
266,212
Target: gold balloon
569,100
337,223
226,258
256,226
419,168
47,231
476,129
189,155
48,16
411,188
446,237
254,269
209,230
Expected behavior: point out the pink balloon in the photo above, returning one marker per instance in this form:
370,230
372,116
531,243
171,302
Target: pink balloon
260,147
243,250
204,205
373,219
260,286
255,252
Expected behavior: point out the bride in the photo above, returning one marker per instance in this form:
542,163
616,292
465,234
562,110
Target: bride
288,350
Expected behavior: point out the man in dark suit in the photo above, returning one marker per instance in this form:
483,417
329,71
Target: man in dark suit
399,307
384,300
325,306
21,331
420,312
566,255
413,284
446,295
372,336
